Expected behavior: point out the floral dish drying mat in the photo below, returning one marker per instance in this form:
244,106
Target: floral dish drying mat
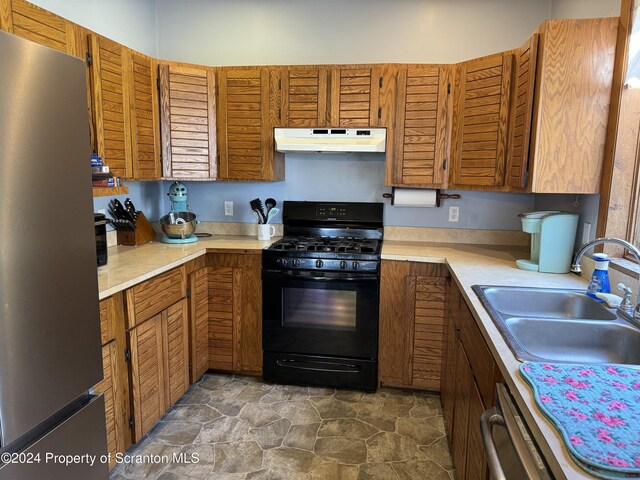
596,408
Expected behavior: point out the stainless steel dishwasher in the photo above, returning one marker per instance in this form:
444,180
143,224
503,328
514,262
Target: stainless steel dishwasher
508,446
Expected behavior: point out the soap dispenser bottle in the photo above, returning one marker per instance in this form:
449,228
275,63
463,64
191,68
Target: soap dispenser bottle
600,278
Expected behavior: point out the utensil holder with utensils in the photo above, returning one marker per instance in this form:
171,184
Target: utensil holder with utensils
142,232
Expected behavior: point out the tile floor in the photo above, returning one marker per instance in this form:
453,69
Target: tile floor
240,428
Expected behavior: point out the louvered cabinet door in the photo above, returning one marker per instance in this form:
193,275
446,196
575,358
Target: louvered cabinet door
41,26
354,97
188,123
481,112
428,332
522,113
421,127
111,104
176,343
145,138
304,97
147,374
199,327
221,319
245,127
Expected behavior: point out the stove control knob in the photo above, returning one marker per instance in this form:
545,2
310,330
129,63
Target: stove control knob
355,265
284,262
296,262
343,265
319,263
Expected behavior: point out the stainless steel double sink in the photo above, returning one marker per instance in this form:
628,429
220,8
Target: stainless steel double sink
557,325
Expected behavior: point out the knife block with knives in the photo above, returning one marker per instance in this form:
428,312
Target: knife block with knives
143,232
131,225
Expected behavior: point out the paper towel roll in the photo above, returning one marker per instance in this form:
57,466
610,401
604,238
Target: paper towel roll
414,197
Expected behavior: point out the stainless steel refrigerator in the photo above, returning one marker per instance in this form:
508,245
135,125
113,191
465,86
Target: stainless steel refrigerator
50,352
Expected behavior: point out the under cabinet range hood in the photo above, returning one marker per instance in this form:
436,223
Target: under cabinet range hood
330,140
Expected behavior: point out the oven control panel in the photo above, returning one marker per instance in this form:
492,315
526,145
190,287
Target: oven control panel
345,265
332,211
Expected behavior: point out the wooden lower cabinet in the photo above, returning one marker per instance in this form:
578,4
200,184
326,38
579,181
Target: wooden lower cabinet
448,374
412,310
235,312
114,385
106,388
469,375
199,322
463,388
476,466
159,365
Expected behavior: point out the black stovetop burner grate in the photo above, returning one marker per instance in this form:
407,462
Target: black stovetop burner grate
327,244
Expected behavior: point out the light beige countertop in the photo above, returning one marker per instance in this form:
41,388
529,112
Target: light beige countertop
468,264
128,266
495,265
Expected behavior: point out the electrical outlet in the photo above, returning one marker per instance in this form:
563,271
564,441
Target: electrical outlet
586,232
454,214
228,208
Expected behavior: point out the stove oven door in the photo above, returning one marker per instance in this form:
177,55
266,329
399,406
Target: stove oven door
331,314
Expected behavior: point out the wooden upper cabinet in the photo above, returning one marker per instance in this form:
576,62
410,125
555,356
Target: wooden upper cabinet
304,97
354,97
245,127
188,122
482,97
420,135
522,113
110,102
145,135
573,92
41,26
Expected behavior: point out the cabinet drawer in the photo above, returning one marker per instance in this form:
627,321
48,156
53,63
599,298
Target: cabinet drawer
151,297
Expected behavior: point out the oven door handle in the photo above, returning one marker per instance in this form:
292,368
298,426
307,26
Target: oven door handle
323,278
319,366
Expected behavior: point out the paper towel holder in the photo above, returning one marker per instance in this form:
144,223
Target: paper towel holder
439,196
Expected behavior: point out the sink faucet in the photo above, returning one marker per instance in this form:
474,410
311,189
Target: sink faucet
575,267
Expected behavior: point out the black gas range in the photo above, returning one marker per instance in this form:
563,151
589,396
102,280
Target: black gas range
321,287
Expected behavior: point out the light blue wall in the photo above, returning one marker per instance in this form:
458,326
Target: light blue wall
146,196
584,205
353,178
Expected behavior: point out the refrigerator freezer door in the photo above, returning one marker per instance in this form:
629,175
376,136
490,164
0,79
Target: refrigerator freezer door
82,434
49,317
